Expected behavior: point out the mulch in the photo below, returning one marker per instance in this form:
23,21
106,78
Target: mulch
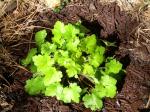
108,22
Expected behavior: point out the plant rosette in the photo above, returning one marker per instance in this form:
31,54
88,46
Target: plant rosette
57,66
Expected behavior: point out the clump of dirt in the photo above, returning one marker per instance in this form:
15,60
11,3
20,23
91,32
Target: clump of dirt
108,22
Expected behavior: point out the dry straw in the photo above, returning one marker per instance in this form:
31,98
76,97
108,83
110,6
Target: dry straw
19,21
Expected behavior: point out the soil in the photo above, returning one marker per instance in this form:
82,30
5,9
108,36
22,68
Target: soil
108,22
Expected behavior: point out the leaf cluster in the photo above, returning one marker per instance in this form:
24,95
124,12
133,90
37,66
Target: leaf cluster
71,54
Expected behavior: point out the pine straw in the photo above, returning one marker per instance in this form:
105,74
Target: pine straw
127,5
15,27
143,30
143,33
6,61
20,21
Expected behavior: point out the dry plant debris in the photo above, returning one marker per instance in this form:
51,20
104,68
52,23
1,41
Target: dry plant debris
3,103
6,5
19,22
52,3
142,35
127,5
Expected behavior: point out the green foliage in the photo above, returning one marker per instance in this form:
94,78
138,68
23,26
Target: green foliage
43,63
89,44
28,59
35,86
113,66
92,101
48,48
71,93
54,89
88,69
52,76
58,65
97,58
109,84
40,37
66,94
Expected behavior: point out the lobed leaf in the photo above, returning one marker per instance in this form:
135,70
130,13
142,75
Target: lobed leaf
89,44
51,76
71,93
47,48
34,86
88,70
40,37
92,101
113,66
28,59
43,62
110,84
54,89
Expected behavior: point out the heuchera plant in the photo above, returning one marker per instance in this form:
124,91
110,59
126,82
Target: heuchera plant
57,66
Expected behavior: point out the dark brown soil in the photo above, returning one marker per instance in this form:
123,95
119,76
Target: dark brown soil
107,22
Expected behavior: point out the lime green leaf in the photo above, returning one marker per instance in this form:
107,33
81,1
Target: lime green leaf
113,66
57,55
35,86
64,53
111,91
54,89
28,59
64,61
43,62
93,102
73,44
99,90
71,72
60,27
110,84
40,37
52,76
100,50
71,31
72,69
62,58
60,41
48,48
96,59
76,55
88,70
58,31
76,92
89,44
33,68
108,80
71,93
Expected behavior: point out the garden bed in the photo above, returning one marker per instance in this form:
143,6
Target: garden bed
108,22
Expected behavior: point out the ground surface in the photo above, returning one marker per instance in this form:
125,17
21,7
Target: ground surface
108,22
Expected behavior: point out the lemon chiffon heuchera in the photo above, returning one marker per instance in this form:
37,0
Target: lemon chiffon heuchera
71,53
